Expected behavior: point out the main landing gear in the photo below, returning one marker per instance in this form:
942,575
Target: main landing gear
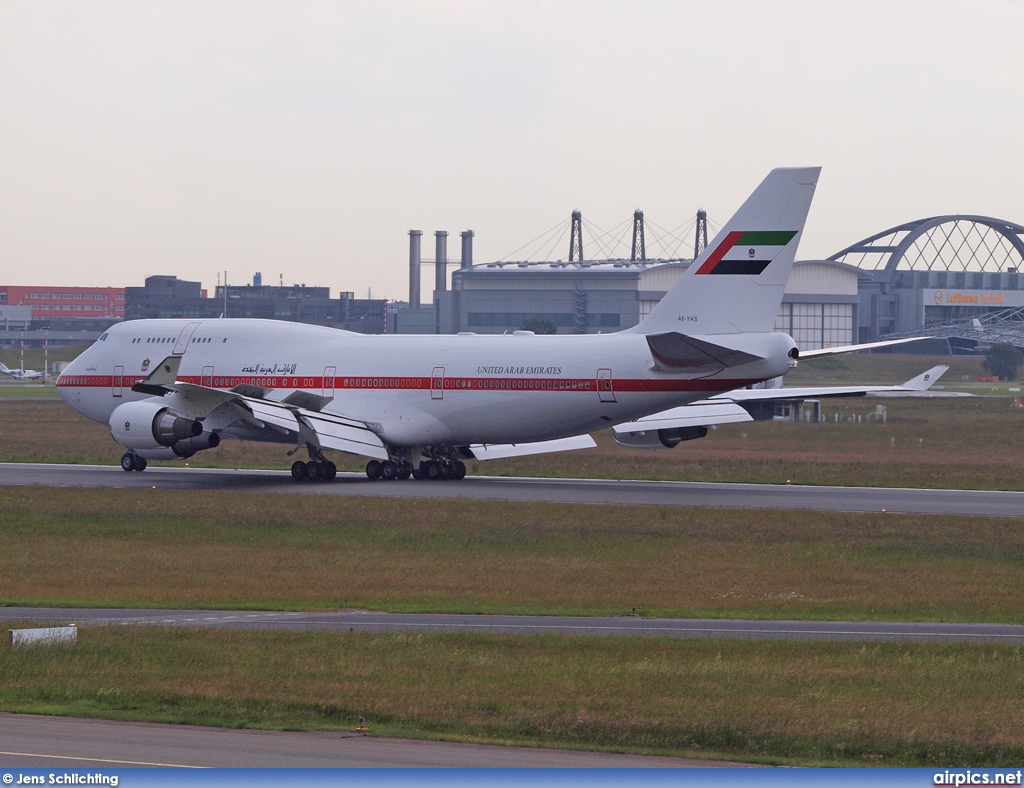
133,462
318,469
433,470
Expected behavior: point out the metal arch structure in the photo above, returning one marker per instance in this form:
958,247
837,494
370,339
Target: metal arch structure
957,243
1001,325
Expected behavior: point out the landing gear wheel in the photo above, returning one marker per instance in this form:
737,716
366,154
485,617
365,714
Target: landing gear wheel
417,473
404,471
140,463
373,469
449,471
460,469
314,471
328,471
388,471
299,470
128,462
434,471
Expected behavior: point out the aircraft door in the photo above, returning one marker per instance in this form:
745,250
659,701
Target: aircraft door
117,381
437,383
605,391
208,377
183,339
329,373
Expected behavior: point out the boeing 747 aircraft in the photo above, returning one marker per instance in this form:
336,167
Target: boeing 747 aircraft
420,405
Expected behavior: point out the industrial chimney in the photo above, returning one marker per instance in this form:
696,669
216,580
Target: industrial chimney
441,260
467,249
414,267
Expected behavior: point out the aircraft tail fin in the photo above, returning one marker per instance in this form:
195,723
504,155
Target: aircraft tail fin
4,369
736,284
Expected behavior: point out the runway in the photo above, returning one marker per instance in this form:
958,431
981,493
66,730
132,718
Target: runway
623,626
505,488
30,741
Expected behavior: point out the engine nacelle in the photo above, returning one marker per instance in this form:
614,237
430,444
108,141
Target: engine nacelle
183,449
659,439
150,425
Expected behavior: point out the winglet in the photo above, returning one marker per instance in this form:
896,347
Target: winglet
925,380
164,374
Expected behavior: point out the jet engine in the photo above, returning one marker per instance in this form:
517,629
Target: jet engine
156,432
659,439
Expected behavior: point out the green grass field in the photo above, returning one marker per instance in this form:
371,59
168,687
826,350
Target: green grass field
768,701
155,548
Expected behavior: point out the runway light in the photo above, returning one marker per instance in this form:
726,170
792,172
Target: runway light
362,723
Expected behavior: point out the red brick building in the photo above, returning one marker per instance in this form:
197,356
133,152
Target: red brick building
65,303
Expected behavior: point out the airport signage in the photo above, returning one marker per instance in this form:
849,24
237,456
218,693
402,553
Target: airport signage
984,298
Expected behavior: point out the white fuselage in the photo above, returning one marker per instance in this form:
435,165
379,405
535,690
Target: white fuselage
416,390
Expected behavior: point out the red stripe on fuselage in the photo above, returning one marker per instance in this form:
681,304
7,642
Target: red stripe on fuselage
454,383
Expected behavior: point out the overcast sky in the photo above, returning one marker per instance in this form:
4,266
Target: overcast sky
307,138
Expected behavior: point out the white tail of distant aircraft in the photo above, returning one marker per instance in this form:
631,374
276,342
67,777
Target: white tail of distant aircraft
420,405
20,374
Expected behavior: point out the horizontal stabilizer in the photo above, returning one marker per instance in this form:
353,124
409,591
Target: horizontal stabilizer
675,352
498,451
842,349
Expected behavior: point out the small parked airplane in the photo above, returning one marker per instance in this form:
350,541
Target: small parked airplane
420,405
20,374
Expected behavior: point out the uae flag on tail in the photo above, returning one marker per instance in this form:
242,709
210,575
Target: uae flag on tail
747,253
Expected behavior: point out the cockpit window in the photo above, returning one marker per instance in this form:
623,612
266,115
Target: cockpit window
102,338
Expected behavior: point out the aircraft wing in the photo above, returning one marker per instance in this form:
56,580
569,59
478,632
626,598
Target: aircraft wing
219,409
728,408
921,382
324,430
498,451
699,414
